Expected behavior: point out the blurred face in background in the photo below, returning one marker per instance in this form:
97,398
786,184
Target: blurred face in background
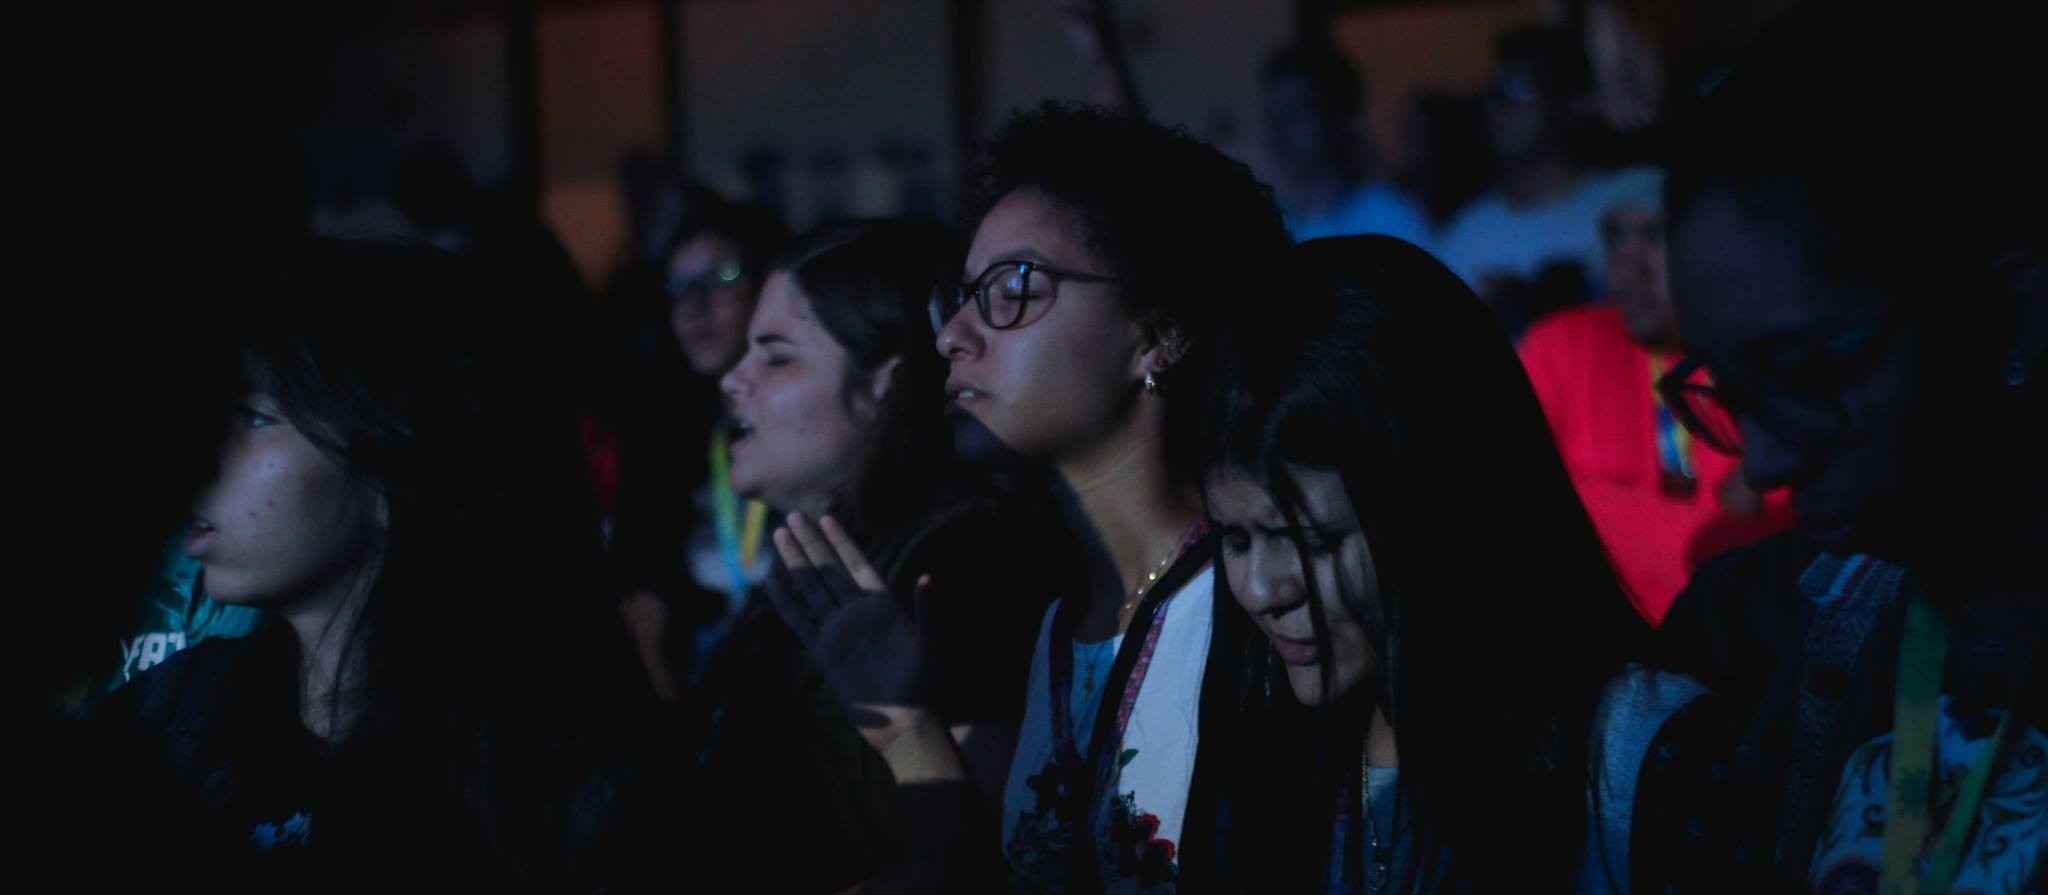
1819,385
1524,120
1638,277
711,296
1299,133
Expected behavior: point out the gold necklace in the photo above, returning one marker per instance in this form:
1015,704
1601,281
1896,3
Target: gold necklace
1152,577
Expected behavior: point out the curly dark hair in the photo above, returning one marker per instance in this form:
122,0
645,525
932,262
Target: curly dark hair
1187,230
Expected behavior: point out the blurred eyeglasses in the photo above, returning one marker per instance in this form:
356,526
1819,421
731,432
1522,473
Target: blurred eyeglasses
724,273
1794,393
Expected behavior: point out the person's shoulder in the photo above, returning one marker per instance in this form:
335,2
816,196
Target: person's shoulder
1480,212
1738,612
1635,184
969,524
1203,581
994,565
1644,696
1382,200
982,530
1635,708
1768,567
181,687
1372,207
1577,324
1600,185
1571,349
1395,212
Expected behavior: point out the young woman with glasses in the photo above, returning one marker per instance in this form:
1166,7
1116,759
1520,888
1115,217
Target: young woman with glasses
1107,254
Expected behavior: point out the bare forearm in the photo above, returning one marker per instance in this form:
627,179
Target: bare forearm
920,750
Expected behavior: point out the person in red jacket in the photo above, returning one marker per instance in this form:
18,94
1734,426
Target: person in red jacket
1661,502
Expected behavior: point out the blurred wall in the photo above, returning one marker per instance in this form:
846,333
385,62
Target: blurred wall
600,96
367,97
829,107
795,100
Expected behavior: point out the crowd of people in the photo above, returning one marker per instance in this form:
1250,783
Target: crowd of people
1671,528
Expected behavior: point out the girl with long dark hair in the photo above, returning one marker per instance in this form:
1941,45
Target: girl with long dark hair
837,412
441,688
1396,521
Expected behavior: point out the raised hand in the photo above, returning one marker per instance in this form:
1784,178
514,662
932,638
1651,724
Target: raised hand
871,651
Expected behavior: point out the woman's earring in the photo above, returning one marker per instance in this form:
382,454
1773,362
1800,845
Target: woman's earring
1151,385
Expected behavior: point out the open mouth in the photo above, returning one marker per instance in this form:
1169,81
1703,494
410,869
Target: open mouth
962,394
